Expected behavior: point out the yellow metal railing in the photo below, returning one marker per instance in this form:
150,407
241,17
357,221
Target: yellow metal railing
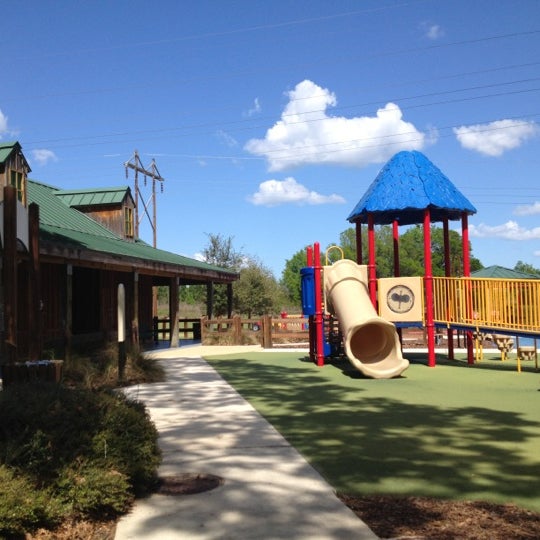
506,304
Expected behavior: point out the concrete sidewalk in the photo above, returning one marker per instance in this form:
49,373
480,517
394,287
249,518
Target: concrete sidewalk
205,426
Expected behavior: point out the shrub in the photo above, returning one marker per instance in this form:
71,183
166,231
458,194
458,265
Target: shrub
98,368
83,451
22,508
90,491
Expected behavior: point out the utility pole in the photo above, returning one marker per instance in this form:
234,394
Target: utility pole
136,164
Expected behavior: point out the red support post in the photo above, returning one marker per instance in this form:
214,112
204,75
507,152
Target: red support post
430,327
319,322
311,324
467,274
395,235
448,273
372,277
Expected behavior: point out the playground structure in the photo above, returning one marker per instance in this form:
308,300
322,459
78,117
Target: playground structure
370,342
371,312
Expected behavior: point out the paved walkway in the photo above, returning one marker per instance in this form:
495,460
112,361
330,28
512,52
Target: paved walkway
269,490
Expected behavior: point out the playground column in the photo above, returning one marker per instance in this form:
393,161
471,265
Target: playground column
395,235
429,288
467,274
359,243
448,273
319,321
311,325
372,277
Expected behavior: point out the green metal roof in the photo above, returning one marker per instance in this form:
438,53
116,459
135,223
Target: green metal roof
6,148
502,273
91,197
53,212
69,228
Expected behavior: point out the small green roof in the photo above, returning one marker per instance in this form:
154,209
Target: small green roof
53,212
502,273
7,148
92,197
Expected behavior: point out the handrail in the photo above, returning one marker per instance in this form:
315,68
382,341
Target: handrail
511,305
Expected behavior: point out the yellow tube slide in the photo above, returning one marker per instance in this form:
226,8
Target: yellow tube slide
371,343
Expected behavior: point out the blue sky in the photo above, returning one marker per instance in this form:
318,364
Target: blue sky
270,119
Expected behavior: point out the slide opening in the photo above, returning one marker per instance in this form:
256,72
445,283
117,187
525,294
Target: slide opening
372,342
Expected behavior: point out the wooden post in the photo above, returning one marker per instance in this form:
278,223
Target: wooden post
267,332
237,330
209,299
10,274
229,300
135,314
35,326
358,234
173,311
68,325
204,329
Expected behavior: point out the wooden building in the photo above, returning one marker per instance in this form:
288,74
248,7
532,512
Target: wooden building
64,254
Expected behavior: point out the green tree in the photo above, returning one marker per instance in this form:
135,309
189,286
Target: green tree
257,291
411,251
526,268
290,277
221,252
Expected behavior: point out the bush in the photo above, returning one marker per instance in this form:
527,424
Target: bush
22,508
90,491
82,451
98,368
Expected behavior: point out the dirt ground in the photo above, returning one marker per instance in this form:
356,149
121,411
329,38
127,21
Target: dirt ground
411,518
423,518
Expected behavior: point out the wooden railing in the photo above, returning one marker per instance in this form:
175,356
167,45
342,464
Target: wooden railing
266,330
187,329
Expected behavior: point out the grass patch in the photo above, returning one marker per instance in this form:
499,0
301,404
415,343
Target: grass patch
455,431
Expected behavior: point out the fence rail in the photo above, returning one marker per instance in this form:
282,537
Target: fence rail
265,330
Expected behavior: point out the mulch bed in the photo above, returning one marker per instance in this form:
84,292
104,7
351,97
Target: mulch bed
434,519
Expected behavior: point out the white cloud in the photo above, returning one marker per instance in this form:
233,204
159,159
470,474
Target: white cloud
255,109
227,139
276,192
42,156
3,124
497,137
432,31
306,134
527,209
509,231
435,32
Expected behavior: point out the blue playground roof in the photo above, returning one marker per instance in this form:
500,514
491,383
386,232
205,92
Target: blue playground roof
407,185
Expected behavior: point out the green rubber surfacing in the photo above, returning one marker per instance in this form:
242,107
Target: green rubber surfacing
454,431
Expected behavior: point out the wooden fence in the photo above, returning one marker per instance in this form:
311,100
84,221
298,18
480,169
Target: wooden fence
266,330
